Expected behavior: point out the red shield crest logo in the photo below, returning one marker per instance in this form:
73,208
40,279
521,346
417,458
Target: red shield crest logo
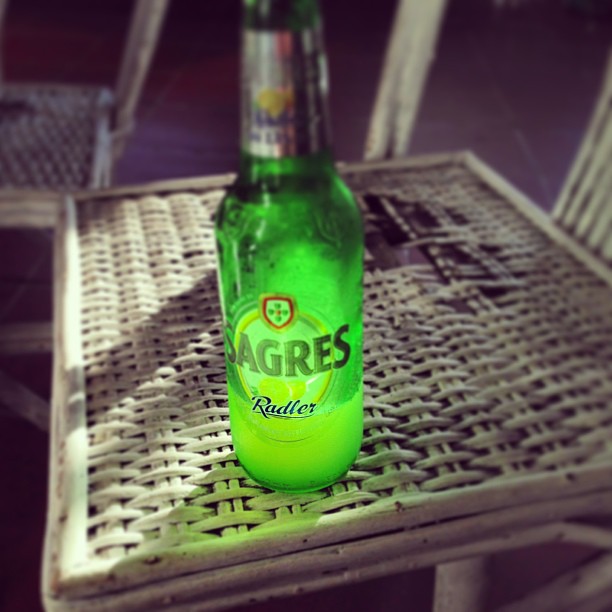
278,311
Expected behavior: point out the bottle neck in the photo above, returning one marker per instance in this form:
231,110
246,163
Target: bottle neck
293,15
285,119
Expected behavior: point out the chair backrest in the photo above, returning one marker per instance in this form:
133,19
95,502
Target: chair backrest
584,207
410,51
146,23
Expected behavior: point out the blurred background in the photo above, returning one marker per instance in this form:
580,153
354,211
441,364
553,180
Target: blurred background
515,82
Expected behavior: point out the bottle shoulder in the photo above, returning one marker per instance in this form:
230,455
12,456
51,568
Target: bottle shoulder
327,216
292,191
293,204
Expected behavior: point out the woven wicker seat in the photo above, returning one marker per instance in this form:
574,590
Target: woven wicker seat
487,411
49,135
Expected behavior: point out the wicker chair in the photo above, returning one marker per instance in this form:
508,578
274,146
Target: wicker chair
61,137
488,391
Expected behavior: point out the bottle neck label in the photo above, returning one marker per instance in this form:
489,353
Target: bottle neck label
284,93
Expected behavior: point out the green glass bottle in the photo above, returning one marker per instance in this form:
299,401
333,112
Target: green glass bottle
290,249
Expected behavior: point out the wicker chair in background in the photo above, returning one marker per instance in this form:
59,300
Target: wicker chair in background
65,137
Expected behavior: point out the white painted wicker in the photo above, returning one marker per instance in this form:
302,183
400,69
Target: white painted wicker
488,391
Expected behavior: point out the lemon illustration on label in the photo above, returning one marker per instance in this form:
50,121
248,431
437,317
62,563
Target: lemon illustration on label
275,101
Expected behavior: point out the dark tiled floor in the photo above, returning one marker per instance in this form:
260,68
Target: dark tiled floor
516,86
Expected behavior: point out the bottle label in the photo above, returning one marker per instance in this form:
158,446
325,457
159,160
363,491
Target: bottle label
285,362
284,93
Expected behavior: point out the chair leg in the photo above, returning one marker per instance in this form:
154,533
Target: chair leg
21,400
461,586
18,339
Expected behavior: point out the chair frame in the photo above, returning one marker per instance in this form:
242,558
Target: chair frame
410,52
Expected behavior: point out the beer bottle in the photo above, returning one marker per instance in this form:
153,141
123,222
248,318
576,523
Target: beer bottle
290,251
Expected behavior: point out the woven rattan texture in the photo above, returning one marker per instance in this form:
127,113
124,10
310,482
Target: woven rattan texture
48,135
493,361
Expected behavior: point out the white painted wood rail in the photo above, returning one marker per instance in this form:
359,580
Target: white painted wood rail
584,207
410,51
